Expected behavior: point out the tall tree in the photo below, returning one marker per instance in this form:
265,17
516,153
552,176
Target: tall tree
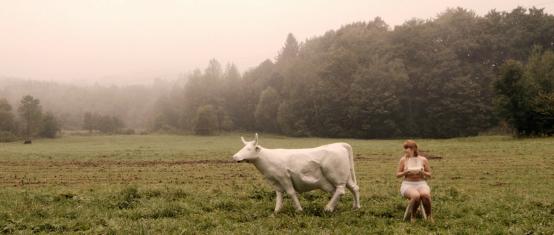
49,126
7,121
513,96
289,50
525,94
266,111
206,120
200,90
253,83
231,93
8,131
30,112
540,72
375,95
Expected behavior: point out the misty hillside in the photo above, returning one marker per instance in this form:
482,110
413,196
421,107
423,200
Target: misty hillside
133,104
425,78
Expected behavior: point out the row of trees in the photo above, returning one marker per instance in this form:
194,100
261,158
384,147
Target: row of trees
133,104
31,121
425,78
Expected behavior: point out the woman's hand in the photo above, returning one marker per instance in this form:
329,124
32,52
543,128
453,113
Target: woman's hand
421,171
401,174
426,174
413,171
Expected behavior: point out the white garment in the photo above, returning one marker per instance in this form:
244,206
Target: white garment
413,164
417,185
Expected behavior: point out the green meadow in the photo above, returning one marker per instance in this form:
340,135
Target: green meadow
171,184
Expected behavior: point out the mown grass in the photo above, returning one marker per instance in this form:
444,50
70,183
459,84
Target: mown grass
163,184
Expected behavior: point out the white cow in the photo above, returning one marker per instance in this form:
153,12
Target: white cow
328,167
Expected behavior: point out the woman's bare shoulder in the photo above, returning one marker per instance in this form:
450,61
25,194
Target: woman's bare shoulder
423,158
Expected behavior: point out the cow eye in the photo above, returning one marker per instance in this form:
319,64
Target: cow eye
257,149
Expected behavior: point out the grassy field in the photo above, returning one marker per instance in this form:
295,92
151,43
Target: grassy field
154,184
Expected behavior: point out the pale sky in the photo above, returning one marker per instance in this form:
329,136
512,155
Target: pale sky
134,41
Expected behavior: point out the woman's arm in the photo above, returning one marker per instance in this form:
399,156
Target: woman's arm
400,171
426,168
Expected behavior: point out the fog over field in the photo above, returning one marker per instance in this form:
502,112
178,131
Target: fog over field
130,42
309,68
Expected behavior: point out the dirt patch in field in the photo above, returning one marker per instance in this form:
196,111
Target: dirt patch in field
30,173
428,155
175,162
433,157
103,163
425,154
362,158
498,184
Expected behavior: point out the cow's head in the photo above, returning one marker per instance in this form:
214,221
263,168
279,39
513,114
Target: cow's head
249,151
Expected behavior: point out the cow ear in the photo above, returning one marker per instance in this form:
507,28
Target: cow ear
243,141
256,139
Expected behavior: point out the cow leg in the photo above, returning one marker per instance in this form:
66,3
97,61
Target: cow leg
279,201
336,196
295,200
356,192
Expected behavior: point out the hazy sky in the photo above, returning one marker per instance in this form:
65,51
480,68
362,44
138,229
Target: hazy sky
136,41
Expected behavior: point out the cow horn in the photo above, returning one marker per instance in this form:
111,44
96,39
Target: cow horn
243,141
256,139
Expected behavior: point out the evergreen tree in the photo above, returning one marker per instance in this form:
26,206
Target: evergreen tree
30,112
231,92
289,50
266,111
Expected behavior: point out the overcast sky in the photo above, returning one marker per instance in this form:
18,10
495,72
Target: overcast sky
135,41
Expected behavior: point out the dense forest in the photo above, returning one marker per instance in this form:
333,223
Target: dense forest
439,78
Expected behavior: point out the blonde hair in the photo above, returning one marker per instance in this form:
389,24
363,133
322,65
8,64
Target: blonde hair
411,144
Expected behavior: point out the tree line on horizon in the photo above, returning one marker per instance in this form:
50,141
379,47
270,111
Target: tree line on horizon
31,122
426,78
456,75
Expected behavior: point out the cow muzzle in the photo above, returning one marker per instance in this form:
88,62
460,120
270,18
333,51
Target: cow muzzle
237,159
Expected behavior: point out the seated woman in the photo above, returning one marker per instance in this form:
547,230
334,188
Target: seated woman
415,169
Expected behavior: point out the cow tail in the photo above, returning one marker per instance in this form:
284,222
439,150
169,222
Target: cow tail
351,158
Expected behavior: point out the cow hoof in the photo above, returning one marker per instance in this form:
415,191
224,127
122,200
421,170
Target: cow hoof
356,207
328,209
